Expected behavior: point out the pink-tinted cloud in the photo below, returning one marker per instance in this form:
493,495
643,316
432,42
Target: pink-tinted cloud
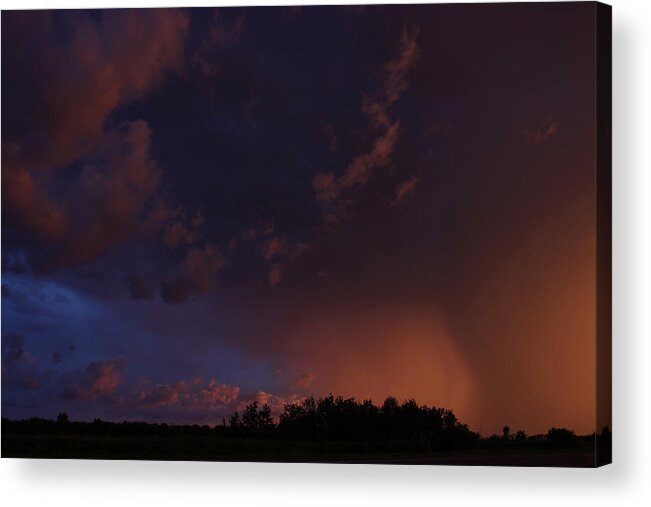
404,190
543,133
275,402
100,378
193,395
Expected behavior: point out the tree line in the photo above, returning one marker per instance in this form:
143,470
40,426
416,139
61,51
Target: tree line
345,419
330,418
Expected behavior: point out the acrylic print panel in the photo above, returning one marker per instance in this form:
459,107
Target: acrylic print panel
347,234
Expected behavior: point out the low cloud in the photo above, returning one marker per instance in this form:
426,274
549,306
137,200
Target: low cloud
192,395
275,402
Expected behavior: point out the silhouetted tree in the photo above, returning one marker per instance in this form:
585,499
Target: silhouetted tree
256,422
560,437
62,418
505,432
338,418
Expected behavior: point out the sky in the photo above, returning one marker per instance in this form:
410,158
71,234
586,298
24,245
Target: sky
207,207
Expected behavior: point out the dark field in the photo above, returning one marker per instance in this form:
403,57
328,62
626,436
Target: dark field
327,430
221,448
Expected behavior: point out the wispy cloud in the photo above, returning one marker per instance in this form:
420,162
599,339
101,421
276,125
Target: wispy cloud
404,190
334,193
544,133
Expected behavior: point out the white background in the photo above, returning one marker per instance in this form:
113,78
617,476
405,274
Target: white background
626,482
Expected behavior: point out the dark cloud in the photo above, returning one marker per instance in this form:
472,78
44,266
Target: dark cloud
104,62
197,275
223,33
19,367
13,349
110,195
175,227
139,287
